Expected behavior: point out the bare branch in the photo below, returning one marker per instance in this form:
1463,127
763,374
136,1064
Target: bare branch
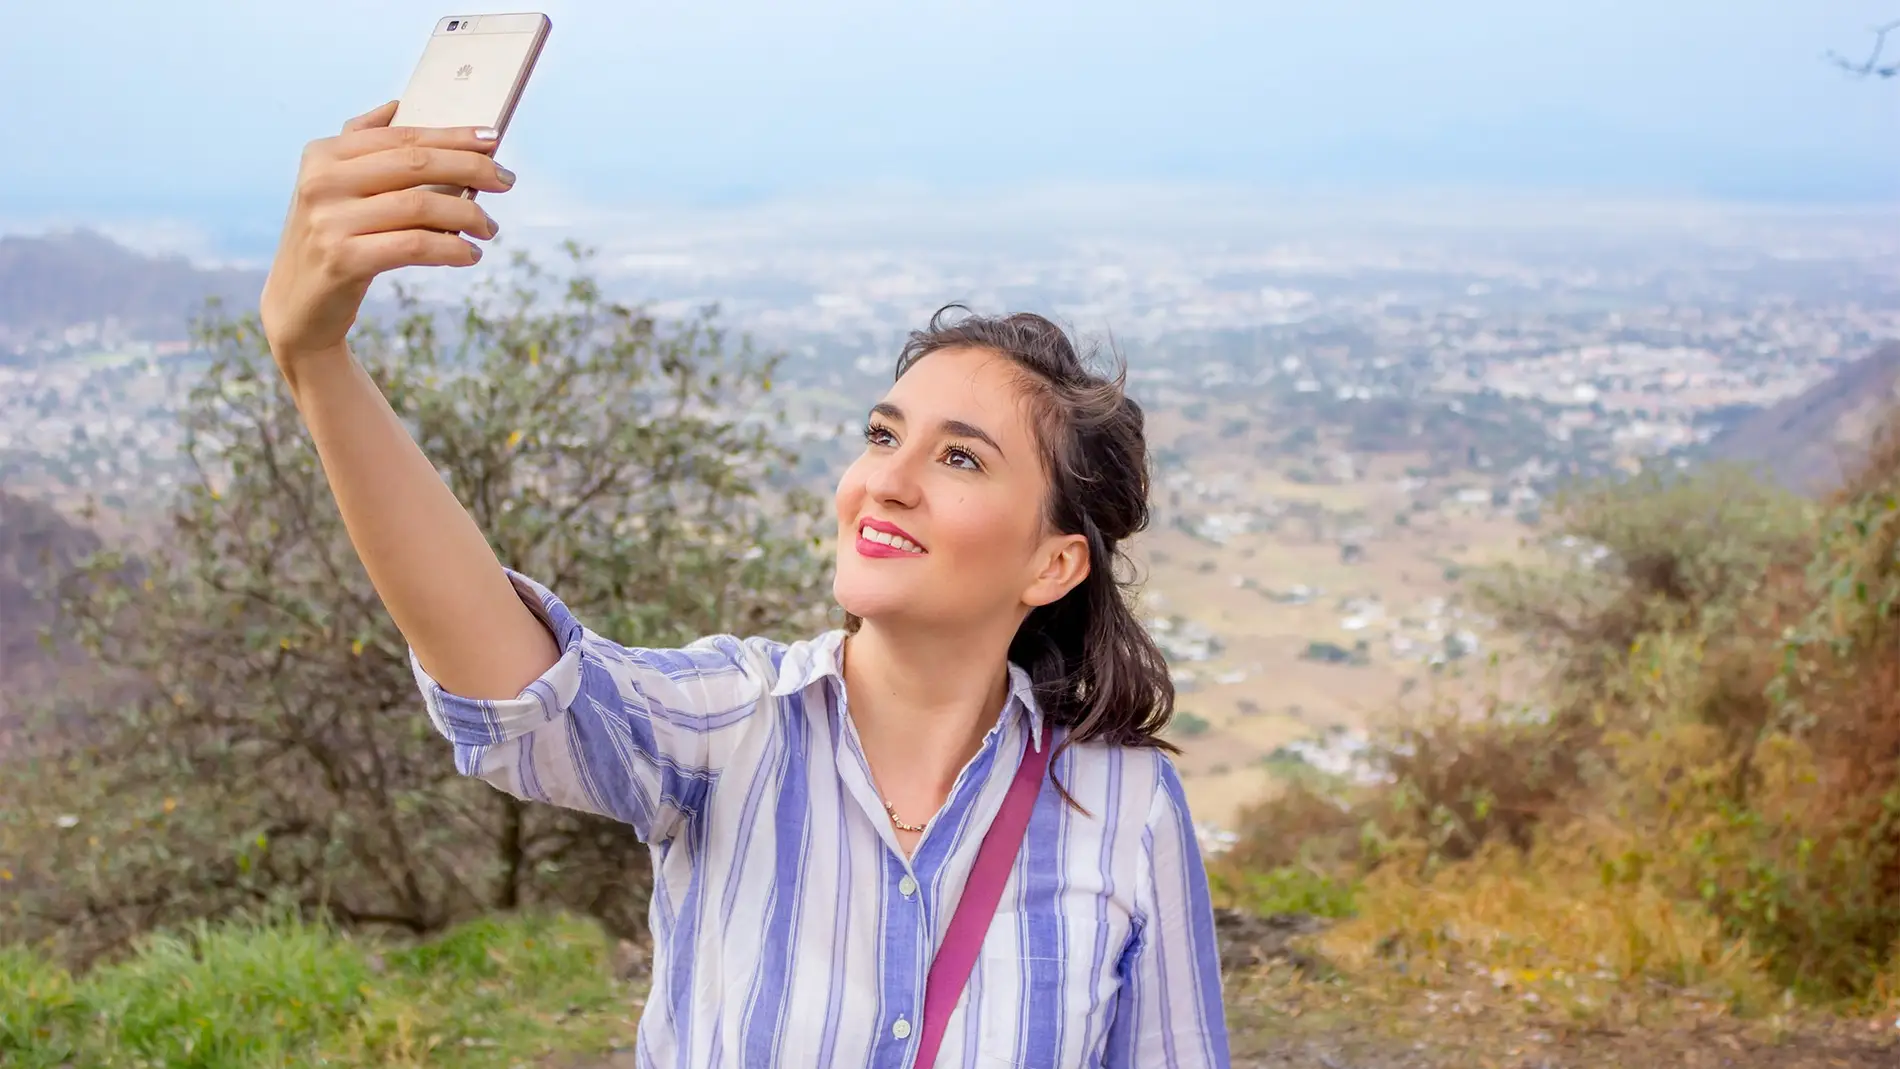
1872,65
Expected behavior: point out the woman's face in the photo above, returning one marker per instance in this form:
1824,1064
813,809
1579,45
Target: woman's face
941,519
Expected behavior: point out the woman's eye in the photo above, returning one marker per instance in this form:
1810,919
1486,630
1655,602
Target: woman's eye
956,456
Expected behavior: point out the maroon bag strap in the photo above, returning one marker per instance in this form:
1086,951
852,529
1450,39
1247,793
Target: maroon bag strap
950,969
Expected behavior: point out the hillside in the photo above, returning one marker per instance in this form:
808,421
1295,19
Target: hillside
53,282
1808,442
37,545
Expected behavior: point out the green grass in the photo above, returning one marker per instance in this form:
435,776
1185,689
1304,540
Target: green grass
494,992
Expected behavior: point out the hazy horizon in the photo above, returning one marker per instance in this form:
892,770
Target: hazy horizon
190,123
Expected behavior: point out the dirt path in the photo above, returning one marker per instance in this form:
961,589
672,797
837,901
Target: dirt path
1282,1023
1343,1044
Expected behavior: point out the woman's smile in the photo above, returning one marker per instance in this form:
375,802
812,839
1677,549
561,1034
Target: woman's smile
878,538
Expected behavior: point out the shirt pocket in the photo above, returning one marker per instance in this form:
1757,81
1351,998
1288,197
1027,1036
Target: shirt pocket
1027,1013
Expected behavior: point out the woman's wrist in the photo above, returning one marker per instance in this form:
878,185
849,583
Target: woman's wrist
309,373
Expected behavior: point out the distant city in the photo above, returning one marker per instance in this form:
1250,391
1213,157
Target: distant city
1345,415
1629,336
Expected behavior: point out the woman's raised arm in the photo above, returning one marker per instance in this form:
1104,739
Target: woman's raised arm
532,701
361,207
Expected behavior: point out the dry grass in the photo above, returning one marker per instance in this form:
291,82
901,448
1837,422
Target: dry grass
1547,924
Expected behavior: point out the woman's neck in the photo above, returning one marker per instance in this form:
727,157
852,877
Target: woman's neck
921,705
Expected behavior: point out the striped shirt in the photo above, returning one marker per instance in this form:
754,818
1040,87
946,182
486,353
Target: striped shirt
791,930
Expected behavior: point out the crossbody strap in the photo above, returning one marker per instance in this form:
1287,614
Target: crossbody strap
950,969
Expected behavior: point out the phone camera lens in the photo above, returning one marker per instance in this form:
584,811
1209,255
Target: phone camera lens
453,24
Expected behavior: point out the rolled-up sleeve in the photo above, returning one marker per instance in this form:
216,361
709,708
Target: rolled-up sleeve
1169,1010
639,735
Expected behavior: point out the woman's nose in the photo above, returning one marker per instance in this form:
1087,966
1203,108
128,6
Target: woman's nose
893,478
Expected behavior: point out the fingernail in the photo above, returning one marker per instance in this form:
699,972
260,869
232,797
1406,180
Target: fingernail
477,250
507,176
486,134
493,227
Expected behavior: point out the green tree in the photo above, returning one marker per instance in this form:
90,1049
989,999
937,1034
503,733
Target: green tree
274,748
1654,553
1673,561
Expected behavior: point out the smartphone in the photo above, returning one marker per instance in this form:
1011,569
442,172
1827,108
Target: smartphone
472,73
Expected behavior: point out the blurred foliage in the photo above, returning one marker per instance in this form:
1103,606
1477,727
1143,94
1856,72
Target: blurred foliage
1295,889
1187,725
263,743
1659,553
1706,793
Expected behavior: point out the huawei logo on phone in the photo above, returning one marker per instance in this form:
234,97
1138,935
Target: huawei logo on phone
462,72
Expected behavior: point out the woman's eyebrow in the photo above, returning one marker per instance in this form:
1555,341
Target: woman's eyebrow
955,428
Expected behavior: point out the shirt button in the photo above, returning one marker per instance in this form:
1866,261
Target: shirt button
906,887
900,1029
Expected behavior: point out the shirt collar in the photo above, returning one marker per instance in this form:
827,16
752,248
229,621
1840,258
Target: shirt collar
809,661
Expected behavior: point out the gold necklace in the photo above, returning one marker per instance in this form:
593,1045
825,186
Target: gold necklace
891,810
898,822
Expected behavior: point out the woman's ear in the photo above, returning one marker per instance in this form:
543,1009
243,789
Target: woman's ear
1065,563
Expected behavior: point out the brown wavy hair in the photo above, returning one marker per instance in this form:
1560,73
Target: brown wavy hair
1096,669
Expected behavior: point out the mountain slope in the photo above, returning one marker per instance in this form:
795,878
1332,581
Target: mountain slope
1810,442
52,282
38,545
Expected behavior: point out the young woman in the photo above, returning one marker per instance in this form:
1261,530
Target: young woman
816,810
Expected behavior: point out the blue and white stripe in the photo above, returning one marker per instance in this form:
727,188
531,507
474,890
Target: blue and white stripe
789,928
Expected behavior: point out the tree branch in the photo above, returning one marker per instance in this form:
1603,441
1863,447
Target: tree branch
1872,65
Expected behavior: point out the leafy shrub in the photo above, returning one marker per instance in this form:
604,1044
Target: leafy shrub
1297,889
266,746
1308,821
1708,792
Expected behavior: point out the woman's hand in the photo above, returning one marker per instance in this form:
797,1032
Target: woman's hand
361,207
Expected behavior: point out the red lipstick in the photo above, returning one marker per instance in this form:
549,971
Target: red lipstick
868,548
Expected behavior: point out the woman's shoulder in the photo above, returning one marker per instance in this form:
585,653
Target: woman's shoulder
1136,782
751,647
1150,763
796,663
728,663
781,665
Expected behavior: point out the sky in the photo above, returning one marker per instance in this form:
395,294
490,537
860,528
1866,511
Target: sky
195,110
